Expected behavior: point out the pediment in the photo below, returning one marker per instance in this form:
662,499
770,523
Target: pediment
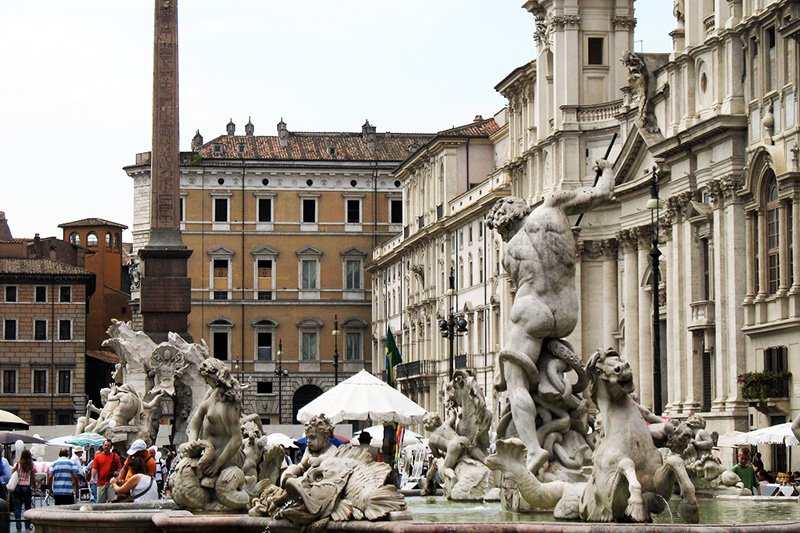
265,250
635,161
308,251
354,252
221,250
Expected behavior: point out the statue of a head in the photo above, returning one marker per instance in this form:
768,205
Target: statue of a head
318,430
506,214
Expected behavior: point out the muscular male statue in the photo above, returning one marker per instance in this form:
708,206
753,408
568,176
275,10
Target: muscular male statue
540,260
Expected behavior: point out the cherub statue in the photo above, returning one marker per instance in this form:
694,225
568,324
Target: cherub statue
318,430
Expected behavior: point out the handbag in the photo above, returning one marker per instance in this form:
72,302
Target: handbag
130,497
13,481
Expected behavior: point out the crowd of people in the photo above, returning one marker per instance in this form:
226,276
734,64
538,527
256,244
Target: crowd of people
102,478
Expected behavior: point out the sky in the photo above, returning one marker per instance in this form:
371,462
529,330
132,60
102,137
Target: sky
75,97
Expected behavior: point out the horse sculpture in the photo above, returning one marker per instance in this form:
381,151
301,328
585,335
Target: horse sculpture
630,478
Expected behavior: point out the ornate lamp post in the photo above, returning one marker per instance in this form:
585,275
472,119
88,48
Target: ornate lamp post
452,327
281,373
654,204
335,334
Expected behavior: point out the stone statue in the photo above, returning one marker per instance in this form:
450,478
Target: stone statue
167,372
261,460
540,260
318,430
628,470
135,272
209,476
459,445
338,486
639,81
701,464
127,408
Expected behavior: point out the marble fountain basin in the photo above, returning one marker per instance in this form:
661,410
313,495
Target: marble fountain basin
424,515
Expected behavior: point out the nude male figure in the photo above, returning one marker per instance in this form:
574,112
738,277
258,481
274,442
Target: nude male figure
540,260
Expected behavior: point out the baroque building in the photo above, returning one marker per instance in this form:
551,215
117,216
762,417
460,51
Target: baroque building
712,124
280,227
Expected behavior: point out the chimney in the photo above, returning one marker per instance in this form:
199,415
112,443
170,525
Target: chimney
5,231
368,133
197,141
478,118
231,127
53,254
283,133
249,129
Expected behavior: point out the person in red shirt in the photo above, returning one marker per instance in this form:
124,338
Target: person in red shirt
106,464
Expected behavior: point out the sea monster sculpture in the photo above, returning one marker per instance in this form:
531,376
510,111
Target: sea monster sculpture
630,478
460,443
345,485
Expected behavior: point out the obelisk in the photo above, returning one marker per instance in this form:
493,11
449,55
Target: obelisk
165,288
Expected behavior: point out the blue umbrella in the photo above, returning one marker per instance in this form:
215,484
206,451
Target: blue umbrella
336,440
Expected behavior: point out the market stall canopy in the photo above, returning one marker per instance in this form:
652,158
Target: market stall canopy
11,421
364,397
778,434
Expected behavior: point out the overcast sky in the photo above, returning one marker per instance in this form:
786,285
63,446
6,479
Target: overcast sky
75,97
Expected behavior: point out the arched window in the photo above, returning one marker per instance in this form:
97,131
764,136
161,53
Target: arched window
772,206
75,238
91,239
116,240
108,241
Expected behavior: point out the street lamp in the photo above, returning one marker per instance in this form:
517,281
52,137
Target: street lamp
452,327
281,373
654,204
335,334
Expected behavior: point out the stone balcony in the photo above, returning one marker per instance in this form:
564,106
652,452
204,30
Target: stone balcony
702,315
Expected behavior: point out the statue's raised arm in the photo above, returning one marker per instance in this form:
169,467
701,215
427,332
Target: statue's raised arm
584,198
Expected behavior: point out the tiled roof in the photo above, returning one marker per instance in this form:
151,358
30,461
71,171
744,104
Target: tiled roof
104,355
92,222
40,267
473,129
311,146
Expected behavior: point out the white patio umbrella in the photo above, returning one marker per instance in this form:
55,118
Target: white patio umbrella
363,397
778,434
376,432
280,438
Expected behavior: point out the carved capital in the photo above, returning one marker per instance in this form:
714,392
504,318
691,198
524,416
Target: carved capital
568,21
629,239
623,23
609,248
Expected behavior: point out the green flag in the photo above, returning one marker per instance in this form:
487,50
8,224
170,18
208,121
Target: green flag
392,356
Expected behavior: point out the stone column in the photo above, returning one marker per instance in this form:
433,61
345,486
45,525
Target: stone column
783,246
763,288
645,314
795,246
609,249
750,257
630,292
166,287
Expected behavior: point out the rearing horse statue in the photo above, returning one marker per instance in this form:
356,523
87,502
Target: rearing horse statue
628,470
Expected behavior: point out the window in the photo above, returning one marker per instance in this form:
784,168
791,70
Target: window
264,279
11,293
265,209
65,418
776,359
264,345
705,258
220,341
352,274
117,240
773,235
91,239
10,381
10,329
220,210
182,209
352,346
309,346
395,211
263,387
309,206
310,268
40,381
75,238
64,381
39,417
40,293
353,211
65,330
595,51
108,241
40,330
771,74
65,294
221,279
